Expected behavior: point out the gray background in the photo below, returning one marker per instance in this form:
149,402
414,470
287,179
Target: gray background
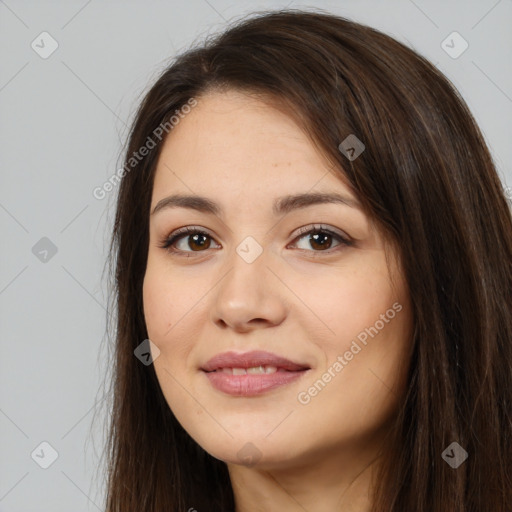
63,121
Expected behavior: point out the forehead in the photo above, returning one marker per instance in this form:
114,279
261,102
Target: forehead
237,143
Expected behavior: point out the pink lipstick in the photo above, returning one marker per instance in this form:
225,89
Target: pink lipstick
251,373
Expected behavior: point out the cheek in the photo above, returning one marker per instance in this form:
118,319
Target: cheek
171,309
165,297
341,305
157,302
368,324
165,310
373,331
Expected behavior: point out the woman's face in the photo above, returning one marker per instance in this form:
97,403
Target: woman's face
322,305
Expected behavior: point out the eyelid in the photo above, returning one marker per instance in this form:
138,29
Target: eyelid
321,227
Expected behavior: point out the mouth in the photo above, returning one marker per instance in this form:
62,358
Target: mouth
251,373
253,370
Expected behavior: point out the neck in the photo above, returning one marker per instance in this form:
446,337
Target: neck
327,482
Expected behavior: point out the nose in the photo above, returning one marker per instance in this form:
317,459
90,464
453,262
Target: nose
250,296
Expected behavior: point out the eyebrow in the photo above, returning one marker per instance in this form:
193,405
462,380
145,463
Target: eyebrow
282,205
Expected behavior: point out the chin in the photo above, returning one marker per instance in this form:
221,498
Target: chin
259,453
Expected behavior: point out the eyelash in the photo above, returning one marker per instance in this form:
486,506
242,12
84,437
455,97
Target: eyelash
169,241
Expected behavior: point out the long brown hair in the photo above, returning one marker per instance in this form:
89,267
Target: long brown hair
426,178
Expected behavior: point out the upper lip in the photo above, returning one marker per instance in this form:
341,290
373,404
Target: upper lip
249,360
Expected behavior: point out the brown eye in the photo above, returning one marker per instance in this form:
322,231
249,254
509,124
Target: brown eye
320,239
197,242
194,240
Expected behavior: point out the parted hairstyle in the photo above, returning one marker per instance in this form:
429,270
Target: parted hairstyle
426,178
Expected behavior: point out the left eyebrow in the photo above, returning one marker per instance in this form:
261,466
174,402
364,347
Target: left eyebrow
282,205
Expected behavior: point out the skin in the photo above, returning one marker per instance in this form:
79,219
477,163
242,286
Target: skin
296,300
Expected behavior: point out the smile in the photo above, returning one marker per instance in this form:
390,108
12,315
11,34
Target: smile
253,370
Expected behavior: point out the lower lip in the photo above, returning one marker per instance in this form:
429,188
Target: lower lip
251,384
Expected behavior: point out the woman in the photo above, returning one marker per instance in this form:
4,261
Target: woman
314,284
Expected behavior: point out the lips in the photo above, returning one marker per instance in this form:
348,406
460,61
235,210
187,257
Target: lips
252,359
251,373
